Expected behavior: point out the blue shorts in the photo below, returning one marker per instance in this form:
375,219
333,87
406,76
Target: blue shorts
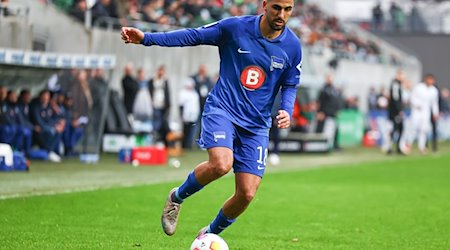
249,149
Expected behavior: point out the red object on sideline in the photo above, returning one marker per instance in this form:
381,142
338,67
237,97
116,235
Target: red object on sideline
149,155
368,140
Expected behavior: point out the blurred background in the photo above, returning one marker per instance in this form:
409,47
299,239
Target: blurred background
95,132
69,87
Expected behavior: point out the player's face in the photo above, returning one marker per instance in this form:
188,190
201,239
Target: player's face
278,12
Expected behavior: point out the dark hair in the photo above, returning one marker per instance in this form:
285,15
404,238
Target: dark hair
44,91
10,92
24,91
429,75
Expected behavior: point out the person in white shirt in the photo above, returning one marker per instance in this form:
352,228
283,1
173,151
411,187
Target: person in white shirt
424,104
142,106
160,94
189,103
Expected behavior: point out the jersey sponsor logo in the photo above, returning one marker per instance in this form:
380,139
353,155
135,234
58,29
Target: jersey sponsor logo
241,51
252,77
276,63
219,135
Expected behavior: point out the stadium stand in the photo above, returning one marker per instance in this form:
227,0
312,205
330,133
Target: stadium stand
21,70
330,45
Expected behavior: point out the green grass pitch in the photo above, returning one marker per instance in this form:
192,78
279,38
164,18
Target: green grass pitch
393,203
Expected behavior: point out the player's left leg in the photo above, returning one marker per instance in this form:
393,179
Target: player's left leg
246,187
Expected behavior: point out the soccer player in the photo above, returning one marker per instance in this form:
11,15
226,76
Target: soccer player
259,56
424,104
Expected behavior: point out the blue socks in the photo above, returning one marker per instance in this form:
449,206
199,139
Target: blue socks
219,223
189,187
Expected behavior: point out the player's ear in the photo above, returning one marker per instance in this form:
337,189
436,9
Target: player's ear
264,4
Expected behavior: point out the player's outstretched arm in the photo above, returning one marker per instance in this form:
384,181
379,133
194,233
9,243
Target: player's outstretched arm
132,35
207,35
283,119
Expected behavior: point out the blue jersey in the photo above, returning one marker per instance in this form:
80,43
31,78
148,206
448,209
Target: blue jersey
252,68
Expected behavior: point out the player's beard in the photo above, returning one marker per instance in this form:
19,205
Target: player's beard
276,27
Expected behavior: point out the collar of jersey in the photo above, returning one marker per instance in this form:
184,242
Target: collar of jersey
259,34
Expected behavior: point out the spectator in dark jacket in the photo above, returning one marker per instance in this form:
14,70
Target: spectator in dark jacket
14,131
103,8
47,129
24,106
395,110
79,9
377,18
329,103
129,87
74,128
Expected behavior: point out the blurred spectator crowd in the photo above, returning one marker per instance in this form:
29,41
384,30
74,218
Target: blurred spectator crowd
48,126
397,18
314,27
181,13
318,30
148,101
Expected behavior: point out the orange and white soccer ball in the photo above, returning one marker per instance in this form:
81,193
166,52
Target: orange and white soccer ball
209,242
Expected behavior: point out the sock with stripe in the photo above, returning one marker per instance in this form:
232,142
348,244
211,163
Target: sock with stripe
189,187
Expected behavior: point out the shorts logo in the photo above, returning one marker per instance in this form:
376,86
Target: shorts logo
276,63
219,135
252,77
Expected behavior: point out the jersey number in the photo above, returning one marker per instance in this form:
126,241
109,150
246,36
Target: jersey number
262,155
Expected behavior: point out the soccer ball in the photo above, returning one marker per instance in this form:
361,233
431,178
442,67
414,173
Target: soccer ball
209,242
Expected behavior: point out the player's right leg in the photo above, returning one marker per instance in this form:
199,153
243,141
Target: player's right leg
217,136
219,163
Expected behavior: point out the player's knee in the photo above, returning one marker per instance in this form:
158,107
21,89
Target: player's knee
246,196
221,165
222,168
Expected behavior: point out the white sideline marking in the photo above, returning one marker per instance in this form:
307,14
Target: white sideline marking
75,190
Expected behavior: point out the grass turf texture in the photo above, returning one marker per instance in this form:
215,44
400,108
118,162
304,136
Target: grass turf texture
401,203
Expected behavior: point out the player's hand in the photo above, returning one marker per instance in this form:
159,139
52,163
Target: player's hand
283,119
131,35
